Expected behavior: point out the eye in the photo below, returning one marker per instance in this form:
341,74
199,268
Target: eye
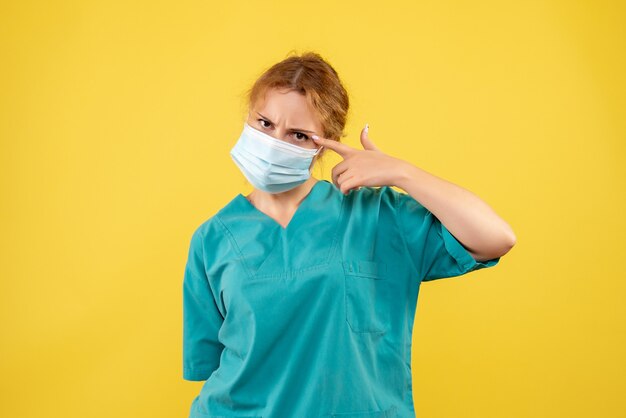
262,121
301,139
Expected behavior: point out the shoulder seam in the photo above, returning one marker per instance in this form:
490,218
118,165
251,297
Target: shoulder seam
204,268
233,243
401,228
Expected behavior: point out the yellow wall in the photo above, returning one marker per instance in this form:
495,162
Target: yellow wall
116,119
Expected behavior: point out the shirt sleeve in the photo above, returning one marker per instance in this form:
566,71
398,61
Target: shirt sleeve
201,317
433,250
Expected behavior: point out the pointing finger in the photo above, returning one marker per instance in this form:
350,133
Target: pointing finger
338,147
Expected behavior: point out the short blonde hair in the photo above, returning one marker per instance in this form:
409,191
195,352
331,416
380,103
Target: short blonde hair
310,75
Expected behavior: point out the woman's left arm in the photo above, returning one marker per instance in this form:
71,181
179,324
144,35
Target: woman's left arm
472,221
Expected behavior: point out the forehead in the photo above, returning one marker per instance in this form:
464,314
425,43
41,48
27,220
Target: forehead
290,107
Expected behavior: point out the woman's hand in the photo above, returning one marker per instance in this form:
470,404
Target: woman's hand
366,167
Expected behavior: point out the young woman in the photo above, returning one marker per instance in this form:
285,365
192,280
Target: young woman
299,298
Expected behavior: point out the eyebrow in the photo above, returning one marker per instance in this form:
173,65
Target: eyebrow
292,129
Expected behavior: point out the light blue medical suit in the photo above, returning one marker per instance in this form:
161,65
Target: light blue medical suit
315,319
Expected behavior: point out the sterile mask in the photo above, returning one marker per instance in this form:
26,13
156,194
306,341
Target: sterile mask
270,164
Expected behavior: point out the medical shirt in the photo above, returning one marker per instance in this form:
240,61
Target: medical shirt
315,319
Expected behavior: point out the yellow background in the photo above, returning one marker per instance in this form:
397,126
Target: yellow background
116,121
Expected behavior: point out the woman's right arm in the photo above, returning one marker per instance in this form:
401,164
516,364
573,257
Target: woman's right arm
201,318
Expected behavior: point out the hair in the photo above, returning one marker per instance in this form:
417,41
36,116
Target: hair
312,76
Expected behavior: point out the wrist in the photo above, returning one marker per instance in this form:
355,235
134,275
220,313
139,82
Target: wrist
407,174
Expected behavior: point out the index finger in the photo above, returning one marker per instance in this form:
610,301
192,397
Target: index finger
338,147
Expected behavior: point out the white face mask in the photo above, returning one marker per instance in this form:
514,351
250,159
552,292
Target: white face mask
270,164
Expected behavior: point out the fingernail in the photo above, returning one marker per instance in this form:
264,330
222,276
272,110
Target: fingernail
315,137
367,127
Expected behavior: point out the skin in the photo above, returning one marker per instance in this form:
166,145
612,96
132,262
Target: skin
471,220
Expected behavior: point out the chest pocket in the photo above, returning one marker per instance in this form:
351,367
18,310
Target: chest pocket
366,296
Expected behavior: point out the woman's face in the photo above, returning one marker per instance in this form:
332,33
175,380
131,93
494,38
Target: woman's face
286,115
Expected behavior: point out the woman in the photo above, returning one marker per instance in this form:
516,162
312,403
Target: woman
299,298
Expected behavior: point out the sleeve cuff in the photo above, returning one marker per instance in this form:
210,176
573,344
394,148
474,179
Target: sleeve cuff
463,258
195,375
